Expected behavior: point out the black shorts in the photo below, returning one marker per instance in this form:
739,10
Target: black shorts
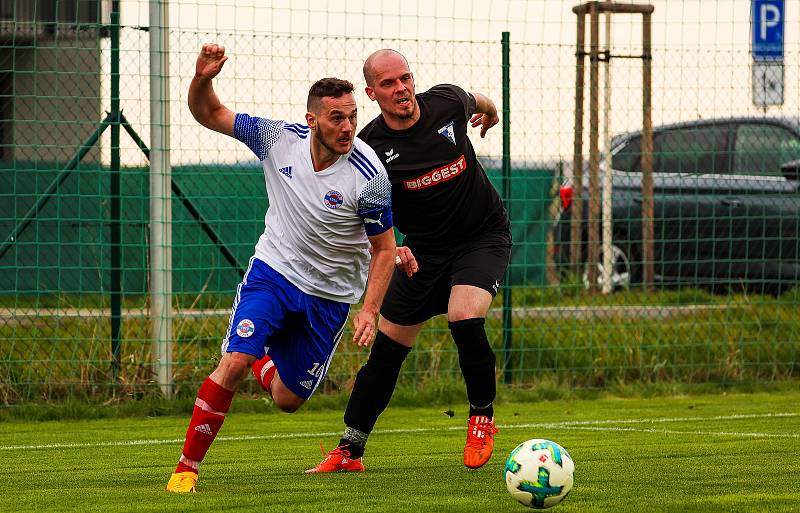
481,263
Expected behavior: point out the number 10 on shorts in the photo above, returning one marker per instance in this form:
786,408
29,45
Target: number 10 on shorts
316,370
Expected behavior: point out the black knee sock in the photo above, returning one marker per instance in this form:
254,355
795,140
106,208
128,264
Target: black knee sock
477,363
372,391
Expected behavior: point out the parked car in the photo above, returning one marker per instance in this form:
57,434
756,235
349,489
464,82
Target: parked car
726,204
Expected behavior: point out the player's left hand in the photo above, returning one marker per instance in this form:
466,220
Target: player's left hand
405,261
365,328
485,121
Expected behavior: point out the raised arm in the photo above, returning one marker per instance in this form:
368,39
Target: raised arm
485,113
203,102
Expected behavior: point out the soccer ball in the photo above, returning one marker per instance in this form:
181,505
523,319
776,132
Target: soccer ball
539,473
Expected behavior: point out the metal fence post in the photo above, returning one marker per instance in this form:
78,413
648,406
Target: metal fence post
160,197
507,299
114,201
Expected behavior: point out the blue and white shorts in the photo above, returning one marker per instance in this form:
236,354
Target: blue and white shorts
300,332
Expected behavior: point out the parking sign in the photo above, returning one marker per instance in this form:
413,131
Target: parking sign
767,29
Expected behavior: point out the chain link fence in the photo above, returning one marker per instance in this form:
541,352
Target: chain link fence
723,308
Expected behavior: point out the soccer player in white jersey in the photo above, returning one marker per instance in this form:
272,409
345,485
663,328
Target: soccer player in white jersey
329,208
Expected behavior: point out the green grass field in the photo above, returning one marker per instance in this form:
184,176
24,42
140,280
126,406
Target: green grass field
708,453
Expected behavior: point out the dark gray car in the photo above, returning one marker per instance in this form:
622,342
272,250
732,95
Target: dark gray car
726,204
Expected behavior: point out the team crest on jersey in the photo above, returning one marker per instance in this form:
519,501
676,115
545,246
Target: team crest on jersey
448,132
245,328
333,199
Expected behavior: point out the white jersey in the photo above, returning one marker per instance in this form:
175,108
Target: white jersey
316,226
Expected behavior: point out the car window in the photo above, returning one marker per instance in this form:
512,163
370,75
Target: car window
629,157
762,148
691,149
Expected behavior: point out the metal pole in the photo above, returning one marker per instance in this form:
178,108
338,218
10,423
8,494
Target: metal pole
507,298
160,197
648,252
576,220
608,257
594,151
115,207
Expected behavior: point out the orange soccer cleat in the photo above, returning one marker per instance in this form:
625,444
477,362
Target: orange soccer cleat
338,460
480,441
182,482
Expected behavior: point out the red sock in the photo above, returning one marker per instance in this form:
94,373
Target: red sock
210,407
264,371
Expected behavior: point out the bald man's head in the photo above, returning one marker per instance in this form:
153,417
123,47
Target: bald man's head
376,59
391,84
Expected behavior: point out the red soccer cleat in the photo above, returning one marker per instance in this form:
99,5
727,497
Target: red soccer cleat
480,441
338,460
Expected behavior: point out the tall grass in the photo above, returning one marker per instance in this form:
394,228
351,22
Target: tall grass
564,339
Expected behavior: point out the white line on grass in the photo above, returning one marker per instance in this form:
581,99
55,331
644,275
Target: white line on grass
576,425
676,419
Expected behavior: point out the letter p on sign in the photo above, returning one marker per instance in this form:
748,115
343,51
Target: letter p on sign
770,17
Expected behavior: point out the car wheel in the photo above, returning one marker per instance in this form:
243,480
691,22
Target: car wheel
622,271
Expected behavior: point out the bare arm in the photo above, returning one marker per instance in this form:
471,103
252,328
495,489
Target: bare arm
485,113
203,102
381,267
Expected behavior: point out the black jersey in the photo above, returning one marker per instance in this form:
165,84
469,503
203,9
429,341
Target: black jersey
441,195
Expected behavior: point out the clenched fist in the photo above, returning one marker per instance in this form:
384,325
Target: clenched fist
210,61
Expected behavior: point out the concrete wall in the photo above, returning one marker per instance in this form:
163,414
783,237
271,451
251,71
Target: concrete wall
55,96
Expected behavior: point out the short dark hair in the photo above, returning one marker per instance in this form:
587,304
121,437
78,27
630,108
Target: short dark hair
333,87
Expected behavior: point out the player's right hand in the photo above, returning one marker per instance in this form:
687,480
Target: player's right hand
366,327
210,61
405,261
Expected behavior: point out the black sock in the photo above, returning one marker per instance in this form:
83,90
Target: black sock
372,390
488,411
354,442
477,361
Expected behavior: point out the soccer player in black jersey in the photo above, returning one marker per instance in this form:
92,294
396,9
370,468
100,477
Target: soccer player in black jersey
456,250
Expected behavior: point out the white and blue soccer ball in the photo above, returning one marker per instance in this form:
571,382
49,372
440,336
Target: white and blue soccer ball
539,473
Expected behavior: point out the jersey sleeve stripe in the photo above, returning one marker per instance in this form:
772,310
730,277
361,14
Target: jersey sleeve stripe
368,168
363,158
298,126
361,169
300,133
